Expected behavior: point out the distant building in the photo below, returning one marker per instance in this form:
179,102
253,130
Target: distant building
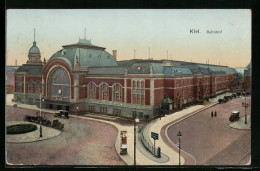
9,78
240,70
247,78
83,76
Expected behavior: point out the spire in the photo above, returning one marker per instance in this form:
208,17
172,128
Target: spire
34,43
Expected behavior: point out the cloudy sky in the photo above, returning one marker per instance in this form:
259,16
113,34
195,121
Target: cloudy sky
126,30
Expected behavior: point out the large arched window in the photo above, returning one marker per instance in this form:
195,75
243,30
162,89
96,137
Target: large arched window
104,93
117,93
91,91
30,86
60,84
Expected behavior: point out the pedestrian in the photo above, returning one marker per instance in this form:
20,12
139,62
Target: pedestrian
215,114
212,114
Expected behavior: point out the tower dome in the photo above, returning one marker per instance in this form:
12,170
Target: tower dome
34,54
34,49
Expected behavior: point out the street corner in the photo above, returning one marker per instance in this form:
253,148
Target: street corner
33,136
244,123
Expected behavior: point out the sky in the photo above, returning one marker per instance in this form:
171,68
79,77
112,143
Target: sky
124,30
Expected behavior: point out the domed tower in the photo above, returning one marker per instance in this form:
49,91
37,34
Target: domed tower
34,54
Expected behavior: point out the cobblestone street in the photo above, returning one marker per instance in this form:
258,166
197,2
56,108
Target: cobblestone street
211,140
82,142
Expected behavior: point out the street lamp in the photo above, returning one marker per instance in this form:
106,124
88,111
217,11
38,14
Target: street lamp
179,135
41,114
135,121
245,104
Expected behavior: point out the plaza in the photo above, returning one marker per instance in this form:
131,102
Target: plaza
83,135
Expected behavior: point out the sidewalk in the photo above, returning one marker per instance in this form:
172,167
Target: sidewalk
240,124
141,159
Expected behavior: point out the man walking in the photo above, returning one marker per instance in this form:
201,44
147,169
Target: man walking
215,114
212,114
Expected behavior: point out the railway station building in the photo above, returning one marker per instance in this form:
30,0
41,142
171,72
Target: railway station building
85,77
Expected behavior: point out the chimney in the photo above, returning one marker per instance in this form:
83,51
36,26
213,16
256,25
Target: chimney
114,53
16,62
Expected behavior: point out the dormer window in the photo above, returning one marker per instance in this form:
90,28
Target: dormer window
138,68
99,56
62,53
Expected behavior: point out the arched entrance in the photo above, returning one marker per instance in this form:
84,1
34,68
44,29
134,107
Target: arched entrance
58,89
60,84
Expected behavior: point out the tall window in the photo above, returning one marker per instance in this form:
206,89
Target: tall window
104,93
142,84
92,91
117,93
19,84
30,86
38,87
60,84
138,93
134,85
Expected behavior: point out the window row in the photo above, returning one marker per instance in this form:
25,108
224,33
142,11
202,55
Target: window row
104,92
138,84
104,110
33,87
180,83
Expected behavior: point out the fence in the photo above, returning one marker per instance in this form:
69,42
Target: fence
148,145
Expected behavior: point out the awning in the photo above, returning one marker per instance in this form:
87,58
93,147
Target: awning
58,102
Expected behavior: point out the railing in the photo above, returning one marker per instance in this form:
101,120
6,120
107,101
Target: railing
148,145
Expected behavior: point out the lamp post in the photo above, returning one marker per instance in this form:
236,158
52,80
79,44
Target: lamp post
41,114
179,135
135,121
245,104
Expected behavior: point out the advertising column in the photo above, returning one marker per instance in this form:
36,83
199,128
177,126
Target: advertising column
123,144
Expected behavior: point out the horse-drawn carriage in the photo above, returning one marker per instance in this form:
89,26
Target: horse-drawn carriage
57,125
62,114
222,101
227,97
234,116
43,121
